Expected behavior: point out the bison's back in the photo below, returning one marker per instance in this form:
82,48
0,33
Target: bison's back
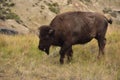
74,20
80,26
71,19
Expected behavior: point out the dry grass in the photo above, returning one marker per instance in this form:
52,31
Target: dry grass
21,60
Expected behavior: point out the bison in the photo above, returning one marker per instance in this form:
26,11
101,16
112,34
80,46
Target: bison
70,28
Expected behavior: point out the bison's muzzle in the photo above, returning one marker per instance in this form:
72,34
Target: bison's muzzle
46,50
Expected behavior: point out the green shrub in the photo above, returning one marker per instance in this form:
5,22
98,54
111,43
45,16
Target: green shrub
6,13
86,0
42,7
107,10
54,7
12,16
69,2
12,4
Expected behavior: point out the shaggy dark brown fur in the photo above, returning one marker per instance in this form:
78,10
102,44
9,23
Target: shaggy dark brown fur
72,28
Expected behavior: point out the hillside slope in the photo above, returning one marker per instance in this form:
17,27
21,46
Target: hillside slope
34,13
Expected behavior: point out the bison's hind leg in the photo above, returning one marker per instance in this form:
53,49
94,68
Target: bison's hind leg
101,44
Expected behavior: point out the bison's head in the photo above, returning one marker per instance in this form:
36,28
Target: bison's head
46,38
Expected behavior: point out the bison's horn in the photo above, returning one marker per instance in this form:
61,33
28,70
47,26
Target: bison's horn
51,31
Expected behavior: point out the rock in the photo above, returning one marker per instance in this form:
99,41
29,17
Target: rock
20,28
12,27
5,30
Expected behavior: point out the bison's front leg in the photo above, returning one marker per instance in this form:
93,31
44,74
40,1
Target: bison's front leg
63,50
69,54
62,56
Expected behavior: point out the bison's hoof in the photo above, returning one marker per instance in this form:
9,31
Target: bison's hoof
61,61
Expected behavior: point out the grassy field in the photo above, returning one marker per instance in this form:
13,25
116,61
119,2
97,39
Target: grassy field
20,59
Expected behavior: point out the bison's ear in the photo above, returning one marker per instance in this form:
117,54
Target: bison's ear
51,32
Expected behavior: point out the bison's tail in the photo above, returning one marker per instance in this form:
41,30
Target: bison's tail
110,20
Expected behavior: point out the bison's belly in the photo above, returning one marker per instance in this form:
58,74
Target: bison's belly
82,40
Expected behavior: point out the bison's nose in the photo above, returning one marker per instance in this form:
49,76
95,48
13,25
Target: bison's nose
44,49
41,48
